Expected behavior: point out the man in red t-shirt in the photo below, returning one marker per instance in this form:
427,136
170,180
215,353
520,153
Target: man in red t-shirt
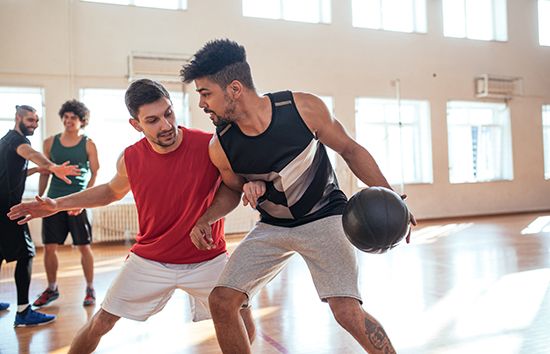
180,200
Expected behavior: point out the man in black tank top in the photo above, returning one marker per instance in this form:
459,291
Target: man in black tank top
16,243
272,148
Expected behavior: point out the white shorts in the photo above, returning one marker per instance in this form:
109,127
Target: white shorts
143,287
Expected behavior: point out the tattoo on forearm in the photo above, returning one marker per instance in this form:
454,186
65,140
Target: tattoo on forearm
378,336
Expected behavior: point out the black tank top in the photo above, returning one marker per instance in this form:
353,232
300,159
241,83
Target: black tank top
301,183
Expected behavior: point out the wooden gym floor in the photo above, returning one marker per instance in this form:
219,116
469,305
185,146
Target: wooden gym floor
472,285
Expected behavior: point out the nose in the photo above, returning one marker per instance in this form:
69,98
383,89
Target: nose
166,124
202,104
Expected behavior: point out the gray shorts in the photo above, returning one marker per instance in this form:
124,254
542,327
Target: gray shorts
265,251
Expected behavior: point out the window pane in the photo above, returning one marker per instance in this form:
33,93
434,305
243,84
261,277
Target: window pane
392,15
398,15
116,2
398,135
480,147
302,10
544,22
313,11
161,4
366,13
475,19
454,18
546,139
479,19
180,104
108,127
10,97
262,8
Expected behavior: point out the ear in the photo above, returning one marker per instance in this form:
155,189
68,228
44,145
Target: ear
235,88
135,123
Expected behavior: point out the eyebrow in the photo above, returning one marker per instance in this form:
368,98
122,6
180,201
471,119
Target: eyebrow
155,116
199,90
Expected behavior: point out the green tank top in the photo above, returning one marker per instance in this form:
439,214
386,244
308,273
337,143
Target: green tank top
76,155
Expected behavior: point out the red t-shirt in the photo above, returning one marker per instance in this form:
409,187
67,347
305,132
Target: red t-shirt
171,192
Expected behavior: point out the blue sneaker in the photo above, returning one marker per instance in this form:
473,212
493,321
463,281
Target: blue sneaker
4,306
29,317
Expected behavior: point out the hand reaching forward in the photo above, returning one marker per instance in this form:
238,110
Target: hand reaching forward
64,170
252,191
201,235
74,212
39,208
412,220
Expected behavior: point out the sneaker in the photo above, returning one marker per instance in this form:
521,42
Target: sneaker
46,297
89,300
29,317
4,306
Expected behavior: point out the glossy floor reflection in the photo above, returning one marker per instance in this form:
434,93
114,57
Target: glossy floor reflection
476,285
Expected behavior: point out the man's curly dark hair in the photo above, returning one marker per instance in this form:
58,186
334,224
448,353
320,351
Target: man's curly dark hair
221,61
78,108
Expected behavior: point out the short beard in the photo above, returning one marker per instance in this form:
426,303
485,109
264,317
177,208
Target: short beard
221,121
24,130
159,143
227,114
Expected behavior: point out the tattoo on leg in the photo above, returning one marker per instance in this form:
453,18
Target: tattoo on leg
378,336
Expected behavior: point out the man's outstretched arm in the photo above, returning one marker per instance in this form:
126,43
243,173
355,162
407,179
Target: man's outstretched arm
93,197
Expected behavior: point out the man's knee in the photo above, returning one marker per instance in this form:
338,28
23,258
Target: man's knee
50,248
102,322
85,249
223,299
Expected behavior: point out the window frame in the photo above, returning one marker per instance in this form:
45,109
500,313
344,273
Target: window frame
182,4
544,37
324,9
546,139
499,20
418,16
421,137
506,172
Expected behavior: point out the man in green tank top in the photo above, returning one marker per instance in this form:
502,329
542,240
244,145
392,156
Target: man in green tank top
74,146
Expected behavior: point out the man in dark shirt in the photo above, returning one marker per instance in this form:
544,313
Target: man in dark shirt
272,148
15,241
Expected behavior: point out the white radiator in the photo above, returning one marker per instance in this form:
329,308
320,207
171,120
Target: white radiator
118,222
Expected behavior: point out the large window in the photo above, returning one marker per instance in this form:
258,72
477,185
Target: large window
397,134
159,4
34,97
109,127
480,143
391,15
313,11
546,138
475,19
544,22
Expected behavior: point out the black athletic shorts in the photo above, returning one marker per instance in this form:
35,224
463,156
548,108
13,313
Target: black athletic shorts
15,240
55,229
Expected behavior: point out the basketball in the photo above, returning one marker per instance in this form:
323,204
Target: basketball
375,219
